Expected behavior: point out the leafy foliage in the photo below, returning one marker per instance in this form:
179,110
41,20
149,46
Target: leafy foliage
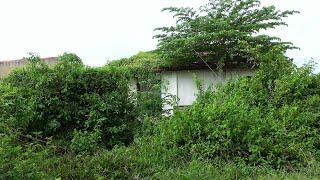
266,126
142,68
71,97
271,118
37,161
147,61
222,30
70,121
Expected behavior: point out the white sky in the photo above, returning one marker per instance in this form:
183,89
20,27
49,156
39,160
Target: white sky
102,30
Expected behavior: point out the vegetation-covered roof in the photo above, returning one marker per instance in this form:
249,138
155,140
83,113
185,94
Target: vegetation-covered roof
222,31
219,34
153,61
150,60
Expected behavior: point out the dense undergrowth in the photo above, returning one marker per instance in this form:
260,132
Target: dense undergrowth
266,126
269,119
76,122
81,105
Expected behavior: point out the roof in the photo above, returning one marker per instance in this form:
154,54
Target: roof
201,65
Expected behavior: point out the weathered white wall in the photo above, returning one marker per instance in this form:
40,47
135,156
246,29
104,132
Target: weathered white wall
236,73
133,88
169,89
182,85
186,92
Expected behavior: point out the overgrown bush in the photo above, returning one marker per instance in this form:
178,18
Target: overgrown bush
68,99
71,121
36,161
258,127
142,68
271,118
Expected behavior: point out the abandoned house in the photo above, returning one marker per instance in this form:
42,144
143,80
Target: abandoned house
179,82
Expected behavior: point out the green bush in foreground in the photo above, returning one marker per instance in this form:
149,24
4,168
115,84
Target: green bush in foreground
49,162
142,67
86,106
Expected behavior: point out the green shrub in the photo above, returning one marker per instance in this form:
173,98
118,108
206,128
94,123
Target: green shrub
258,127
83,142
70,97
25,160
271,118
142,67
13,108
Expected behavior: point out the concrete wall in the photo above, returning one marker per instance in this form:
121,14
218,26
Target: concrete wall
7,66
182,85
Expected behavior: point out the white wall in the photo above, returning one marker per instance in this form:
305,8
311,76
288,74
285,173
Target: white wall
133,88
181,84
168,89
236,73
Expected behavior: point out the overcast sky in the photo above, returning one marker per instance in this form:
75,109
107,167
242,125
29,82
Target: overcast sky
102,30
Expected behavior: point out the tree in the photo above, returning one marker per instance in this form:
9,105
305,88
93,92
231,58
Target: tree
220,31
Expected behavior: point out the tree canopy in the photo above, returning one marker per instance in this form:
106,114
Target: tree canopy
220,31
